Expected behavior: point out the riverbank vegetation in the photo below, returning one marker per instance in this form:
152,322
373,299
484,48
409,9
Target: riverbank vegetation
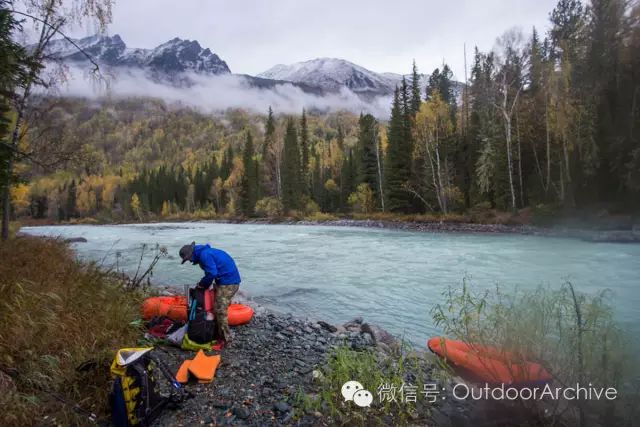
62,321
546,123
381,375
571,334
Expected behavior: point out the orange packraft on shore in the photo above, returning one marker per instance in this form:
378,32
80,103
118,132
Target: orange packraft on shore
488,364
175,308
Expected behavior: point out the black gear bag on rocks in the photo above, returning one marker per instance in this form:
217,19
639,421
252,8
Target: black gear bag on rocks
202,327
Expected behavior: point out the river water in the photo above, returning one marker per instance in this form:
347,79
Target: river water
391,278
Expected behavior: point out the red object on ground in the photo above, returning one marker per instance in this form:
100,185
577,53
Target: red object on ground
160,330
488,364
175,308
209,300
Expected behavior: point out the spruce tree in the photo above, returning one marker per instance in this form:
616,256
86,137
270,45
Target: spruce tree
317,185
415,90
227,163
71,200
367,164
340,137
348,178
398,159
605,30
249,184
433,83
304,147
291,183
14,73
270,165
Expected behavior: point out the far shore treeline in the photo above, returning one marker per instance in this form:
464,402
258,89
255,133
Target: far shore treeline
547,121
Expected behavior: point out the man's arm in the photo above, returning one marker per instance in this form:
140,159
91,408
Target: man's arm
210,270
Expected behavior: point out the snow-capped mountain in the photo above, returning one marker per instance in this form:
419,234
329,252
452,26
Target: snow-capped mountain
168,59
184,70
167,63
332,74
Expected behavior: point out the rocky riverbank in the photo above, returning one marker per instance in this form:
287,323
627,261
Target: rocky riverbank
271,361
613,233
631,235
592,235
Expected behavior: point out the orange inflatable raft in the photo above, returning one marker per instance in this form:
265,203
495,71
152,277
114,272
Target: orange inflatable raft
488,364
175,307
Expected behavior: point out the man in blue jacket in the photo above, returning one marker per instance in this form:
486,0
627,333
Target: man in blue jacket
220,268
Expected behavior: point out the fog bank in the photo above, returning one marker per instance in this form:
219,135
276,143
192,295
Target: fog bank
217,93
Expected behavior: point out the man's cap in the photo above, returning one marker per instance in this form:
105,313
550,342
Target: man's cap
186,252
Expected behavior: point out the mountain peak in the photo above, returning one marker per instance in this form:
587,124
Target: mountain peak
172,57
332,74
117,38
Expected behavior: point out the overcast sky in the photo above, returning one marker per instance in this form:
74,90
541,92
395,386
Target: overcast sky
381,35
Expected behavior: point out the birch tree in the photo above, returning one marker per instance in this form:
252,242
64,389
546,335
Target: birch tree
509,84
433,129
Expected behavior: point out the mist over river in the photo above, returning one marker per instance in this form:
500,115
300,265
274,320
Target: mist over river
391,278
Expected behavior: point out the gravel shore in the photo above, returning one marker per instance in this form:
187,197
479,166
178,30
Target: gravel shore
276,357
270,360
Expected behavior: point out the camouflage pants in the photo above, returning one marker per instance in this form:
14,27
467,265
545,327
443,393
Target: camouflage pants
224,294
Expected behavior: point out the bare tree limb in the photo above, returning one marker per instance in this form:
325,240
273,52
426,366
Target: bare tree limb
56,30
408,188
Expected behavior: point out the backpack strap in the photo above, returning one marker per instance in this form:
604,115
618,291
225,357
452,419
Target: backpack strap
192,313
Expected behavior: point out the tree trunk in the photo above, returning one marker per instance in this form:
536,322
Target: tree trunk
278,176
507,114
433,175
537,162
6,193
6,199
562,192
567,171
379,171
510,161
441,196
548,131
519,161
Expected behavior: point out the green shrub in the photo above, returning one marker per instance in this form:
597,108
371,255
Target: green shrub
270,207
362,200
311,208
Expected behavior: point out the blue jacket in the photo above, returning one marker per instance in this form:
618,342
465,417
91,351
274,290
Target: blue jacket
217,265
